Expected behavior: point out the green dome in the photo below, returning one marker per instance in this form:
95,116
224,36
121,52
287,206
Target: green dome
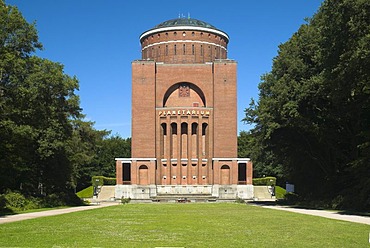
188,24
185,22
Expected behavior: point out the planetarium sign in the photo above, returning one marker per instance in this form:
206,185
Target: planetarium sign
182,112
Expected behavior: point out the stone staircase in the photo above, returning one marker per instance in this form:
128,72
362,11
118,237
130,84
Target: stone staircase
106,193
262,193
184,198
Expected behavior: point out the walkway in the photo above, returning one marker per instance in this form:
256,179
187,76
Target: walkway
26,216
323,213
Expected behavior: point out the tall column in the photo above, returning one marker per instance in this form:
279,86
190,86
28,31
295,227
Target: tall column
190,148
178,169
200,151
249,172
159,151
168,153
119,174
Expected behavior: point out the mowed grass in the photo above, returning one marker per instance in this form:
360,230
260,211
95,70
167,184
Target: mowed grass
183,225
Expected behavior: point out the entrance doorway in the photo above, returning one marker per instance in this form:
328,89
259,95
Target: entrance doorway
126,173
242,173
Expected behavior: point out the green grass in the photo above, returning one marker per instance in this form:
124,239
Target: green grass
86,193
279,192
183,225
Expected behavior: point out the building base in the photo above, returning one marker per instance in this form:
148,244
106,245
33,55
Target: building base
193,193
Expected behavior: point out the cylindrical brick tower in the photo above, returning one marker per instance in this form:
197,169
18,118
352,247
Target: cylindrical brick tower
184,40
184,129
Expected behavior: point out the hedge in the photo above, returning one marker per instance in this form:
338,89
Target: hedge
102,180
268,181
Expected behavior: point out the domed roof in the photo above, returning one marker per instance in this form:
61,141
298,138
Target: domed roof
185,22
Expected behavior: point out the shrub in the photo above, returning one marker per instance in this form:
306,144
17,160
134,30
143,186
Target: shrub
15,201
102,180
125,200
290,199
2,203
53,200
268,181
239,200
337,202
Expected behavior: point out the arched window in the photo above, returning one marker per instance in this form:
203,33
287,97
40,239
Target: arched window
194,127
173,128
198,95
184,128
164,128
225,174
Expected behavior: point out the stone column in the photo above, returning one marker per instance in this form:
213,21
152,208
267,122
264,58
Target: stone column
119,174
249,172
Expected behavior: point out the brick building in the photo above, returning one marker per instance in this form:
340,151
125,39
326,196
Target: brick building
184,118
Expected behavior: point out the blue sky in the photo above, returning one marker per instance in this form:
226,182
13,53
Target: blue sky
97,40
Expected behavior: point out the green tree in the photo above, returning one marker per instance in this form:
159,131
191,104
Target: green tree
110,148
17,40
92,153
83,148
313,110
264,164
37,106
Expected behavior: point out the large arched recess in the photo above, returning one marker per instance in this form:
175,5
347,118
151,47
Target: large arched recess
173,92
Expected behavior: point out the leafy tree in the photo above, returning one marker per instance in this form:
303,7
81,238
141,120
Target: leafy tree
93,154
264,164
37,107
313,111
110,148
82,149
46,146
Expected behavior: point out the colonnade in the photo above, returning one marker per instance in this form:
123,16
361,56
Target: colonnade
184,151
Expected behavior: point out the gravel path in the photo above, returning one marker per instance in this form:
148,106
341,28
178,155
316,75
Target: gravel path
325,214
26,216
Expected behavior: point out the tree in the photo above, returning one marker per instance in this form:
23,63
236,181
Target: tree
264,164
82,151
46,146
38,104
110,148
313,110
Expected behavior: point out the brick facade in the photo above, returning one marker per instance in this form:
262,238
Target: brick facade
184,112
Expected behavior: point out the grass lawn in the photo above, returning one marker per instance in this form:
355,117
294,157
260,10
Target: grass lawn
86,193
183,225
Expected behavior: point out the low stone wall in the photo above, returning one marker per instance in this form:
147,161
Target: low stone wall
221,192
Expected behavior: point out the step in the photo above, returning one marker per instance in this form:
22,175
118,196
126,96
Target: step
106,193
